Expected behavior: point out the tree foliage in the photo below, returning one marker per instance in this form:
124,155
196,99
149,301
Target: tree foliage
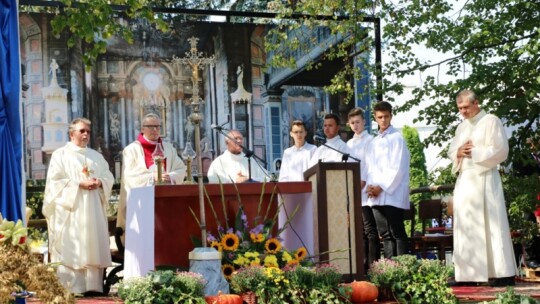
490,46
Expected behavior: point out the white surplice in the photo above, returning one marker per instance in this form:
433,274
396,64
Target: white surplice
387,164
226,168
358,145
482,244
136,174
77,218
299,231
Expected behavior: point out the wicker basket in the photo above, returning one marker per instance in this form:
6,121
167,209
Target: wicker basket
249,297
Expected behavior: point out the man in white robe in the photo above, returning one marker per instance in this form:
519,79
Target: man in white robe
139,168
482,244
387,183
232,165
333,140
359,145
295,161
75,203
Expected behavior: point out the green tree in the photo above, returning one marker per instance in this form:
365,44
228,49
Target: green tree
418,175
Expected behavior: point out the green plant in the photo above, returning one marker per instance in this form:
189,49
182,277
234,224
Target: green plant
511,297
413,280
163,287
247,279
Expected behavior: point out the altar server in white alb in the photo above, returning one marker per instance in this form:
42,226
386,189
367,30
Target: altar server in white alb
359,145
331,131
138,165
387,183
482,245
294,162
75,204
232,165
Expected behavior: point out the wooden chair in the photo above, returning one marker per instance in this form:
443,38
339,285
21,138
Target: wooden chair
437,240
409,215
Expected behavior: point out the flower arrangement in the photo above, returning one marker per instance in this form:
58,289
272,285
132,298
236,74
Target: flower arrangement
292,284
164,286
407,278
21,270
241,247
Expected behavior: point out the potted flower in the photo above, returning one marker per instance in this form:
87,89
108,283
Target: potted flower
404,278
164,286
246,280
318,284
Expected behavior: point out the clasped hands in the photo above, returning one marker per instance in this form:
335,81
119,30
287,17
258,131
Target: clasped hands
373,190
90,184
465,150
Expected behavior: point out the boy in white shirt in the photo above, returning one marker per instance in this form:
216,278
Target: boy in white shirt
358,146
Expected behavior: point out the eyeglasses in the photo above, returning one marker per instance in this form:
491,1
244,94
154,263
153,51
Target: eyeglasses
83,131
152,127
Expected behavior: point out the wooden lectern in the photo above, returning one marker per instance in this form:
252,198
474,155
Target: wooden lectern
337,205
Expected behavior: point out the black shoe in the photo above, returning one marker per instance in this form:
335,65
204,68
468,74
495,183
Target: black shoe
90,294
462,283
501,282
533,264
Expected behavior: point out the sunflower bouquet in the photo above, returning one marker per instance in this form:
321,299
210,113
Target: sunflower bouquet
242,246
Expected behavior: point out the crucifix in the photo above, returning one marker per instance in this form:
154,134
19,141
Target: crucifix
195,59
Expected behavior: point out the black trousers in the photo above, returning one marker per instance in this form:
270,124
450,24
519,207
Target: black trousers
372,250
390,225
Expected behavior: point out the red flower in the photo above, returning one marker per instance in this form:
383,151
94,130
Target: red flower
22,240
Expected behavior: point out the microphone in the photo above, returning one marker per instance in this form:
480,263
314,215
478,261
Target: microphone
216,127
319,138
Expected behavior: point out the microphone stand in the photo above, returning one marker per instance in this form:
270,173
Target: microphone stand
345,157
248,153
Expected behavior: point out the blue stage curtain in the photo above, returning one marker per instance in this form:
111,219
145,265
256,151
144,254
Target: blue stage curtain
10,124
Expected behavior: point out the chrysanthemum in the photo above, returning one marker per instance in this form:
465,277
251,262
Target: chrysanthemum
230,241
272,246
271,261
228,270
300,254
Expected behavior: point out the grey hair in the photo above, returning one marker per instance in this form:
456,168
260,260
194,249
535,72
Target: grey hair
467,94
150,116
75,121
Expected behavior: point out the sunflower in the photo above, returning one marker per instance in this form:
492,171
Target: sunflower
228,270
256,237
217,245
272,246
230,242
300,254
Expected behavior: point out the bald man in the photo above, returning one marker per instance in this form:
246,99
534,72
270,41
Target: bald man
232,165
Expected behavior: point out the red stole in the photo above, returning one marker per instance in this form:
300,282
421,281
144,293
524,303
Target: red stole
148,149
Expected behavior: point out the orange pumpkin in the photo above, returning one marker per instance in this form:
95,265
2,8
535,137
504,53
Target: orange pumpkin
222,298
363,291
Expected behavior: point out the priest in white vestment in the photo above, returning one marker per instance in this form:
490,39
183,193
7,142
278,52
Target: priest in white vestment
232,165
337,147
139,168
75,203
295,160
482,245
